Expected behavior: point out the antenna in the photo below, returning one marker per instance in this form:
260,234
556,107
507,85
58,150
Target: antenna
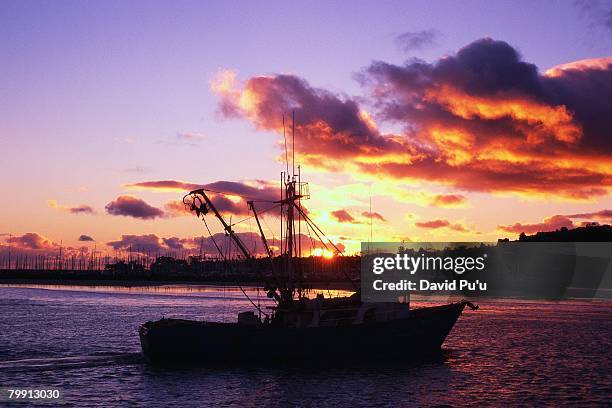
299,215
293,141
285,137
10,241
369,246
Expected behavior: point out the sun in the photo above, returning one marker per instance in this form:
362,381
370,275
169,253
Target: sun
323,252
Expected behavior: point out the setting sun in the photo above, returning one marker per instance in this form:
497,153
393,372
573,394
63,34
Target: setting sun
323,252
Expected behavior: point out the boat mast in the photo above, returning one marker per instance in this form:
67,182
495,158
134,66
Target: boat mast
290,193
201,206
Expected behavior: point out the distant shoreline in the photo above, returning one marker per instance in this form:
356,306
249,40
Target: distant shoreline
145,283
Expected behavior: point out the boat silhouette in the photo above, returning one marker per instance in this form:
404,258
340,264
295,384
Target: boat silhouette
397,336
297,328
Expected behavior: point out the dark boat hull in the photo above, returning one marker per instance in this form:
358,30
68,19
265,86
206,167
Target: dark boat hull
174,341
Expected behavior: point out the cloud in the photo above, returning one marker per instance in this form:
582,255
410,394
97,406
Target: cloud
458,227
149,243
33,245
326,125
138,170
176,208
81,209
548,224
374,215
344,216
31,240
131,206
85,238
229,197
164,185
556,222
448,200
189,139
480,120
424,198
494,124
597,12
577,67
260,190
416,40
441,223
174,243
152,244
603,215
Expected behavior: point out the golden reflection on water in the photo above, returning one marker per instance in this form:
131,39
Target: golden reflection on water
491,305
178,289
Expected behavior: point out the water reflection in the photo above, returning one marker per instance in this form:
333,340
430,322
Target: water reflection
393,386
510,352
171,289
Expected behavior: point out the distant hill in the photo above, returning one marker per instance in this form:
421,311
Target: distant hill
589,233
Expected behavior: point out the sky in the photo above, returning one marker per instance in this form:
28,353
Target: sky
449,116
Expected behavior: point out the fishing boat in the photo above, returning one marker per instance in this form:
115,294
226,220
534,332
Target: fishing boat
298,327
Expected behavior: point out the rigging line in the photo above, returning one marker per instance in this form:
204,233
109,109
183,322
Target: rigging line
269,229
315,228
236,194
308,220
253,244
227,263
252,216
318,236
312,244
228,244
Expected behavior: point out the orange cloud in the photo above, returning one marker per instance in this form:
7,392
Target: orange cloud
152,244
556,222
258,190
81,209
176,208
229,197
544,121
448,200
441,223
344,216
601,64
374,215
31,240
481,120
602,215
33,245
549,224
164,185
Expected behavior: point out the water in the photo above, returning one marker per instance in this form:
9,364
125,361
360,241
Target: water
84,341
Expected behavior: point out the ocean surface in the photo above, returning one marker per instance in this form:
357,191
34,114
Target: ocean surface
84,341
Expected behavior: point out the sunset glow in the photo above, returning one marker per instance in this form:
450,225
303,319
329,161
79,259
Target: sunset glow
465,132
323,252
